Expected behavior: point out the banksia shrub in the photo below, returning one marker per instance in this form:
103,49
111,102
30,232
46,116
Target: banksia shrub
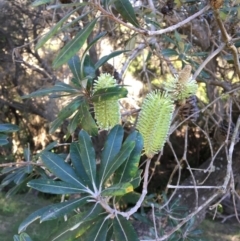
107,112
154,121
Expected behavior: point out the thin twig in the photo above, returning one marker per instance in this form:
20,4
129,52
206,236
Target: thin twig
173,172
154,222
164,237
208,59
232,185
228,41
194,187
104,202
188,166
178,25
144,191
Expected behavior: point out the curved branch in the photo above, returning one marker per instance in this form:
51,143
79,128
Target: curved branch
178,25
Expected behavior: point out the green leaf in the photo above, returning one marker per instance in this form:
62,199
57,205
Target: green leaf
118,189
111,148
58,87
22,237
16,238
123,230
76,20
54,187
25,237
10,177
88,67
237,44
72,47
87,122
76,233
6,170
169,40
177,36
74,65
76,159
40,2
61,169
109,165
135,181
149,21
50,146
98,232
117,161
27,156
74,122
131,197
28,169
110,93
8,128
169,52
80,223
61,209
124,7
70,108
31,218
71,234
84,69
20,176
18,187
130,45
88,157
129,169
55,124
104,59
110,233
53,31
41,172
51,212
99,36
3,140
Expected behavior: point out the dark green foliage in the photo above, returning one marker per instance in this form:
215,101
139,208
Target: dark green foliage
5,129
82,179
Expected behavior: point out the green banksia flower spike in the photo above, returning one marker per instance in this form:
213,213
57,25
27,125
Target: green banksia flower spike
186,85
154,121
182,87
107,112
187,89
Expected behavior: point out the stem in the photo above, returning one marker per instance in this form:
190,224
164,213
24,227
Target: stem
178,25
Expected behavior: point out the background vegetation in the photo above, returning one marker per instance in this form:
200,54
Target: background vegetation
58,49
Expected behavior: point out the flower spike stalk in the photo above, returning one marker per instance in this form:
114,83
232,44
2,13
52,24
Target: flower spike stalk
154,121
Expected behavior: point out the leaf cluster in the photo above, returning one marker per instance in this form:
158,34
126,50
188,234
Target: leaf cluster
99,189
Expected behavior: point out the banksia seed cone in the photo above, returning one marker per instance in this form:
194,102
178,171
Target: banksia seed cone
107,112
108,68
154,121
185,74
